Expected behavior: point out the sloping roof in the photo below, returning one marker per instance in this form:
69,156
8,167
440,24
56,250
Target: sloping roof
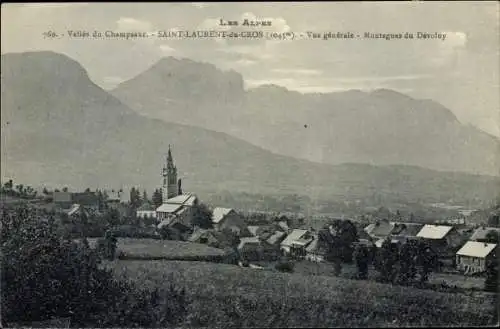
294,235
219,213
244,241
169,208
197,234
183,199
480,233
313,246
74,209
476,249
434,231
253,229
283,225
273,239
302,241
410,229
382,228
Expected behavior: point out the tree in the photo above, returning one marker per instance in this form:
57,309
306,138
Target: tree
45,191
491,281
145,197
9,185
387,258
46,276
135,198
202,216
361,255
65,189
494,220
157,198
427,260
492,237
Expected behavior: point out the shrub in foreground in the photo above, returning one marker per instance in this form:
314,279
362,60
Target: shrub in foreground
45,276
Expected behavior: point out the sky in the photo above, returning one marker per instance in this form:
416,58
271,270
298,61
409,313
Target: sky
461,72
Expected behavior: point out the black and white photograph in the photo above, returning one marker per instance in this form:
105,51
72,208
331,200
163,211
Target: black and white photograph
250,164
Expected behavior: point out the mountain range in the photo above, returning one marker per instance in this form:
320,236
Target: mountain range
382,127
61,129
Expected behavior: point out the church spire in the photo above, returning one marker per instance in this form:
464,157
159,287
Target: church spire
170,189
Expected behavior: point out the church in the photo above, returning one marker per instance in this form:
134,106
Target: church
177,208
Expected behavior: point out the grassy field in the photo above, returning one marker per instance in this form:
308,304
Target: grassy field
165,249
230,296
150,249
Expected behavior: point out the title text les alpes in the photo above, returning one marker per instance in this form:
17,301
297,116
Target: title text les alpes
245,22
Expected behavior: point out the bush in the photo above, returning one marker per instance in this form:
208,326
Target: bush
46,276
285,267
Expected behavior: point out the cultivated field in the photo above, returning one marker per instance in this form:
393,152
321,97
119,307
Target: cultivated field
230,296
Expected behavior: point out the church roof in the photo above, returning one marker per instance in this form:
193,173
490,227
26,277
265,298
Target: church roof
183,199
169,208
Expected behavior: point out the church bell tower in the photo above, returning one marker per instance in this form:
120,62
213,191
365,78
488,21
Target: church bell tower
169,187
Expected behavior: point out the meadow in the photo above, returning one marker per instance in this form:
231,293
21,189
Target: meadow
229,296
153,249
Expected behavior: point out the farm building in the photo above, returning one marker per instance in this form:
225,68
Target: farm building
296,234
481,234
472,257
227,218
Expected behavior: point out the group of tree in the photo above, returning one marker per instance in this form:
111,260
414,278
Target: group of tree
337,240
402,262
18,190
46,276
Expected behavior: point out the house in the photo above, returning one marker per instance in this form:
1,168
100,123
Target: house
89,200
227,218
407,229
76,210
445,240
480,234
294,235
380,229
314,252
62,198
114,199
147,210
203,236
276,238
250,248
472,257
282,225
253,229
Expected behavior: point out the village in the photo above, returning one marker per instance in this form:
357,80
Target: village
266,240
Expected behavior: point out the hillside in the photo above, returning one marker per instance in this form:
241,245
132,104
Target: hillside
61,129
381,127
